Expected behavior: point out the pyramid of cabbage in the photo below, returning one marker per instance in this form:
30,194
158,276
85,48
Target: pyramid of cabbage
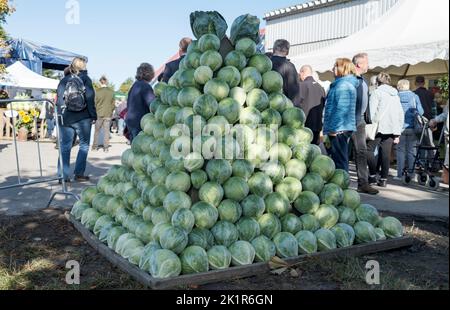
224,174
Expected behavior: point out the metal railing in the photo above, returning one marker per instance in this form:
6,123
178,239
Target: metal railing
60,178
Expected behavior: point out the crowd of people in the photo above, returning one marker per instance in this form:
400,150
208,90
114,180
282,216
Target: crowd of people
359,117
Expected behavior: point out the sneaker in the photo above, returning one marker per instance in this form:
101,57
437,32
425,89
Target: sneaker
367,189
106,150
382,183
95,149
373,180
398,179
67,181
82,178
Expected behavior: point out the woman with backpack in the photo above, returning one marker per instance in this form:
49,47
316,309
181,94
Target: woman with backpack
406,149
76,103
388,118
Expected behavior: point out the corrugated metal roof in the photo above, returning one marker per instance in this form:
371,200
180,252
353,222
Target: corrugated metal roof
300,8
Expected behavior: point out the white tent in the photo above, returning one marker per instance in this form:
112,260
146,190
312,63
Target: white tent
411,38
19,76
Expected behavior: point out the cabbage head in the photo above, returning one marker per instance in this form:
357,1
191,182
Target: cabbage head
326,240
165,264
225,233
328,216
194,259
307,242
219,258
78,209
368,213
392,227
365,232
147,254
174,239
89,218
265,249
286,244
242,253
345,235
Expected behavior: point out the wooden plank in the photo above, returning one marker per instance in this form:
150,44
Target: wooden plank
232,273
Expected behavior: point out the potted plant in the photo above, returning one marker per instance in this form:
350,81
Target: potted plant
24,125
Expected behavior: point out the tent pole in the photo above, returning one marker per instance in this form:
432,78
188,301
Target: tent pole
406,72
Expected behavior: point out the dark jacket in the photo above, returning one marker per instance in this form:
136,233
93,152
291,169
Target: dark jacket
362,102
427,99
69,117
312,102
290,77
171,68
340,107
139,98
105,103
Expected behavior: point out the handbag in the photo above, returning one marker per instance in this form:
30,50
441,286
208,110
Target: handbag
419,122
372,129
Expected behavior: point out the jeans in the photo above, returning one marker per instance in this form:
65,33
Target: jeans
406,152
51,124
339,150
83,130
380,148
102,124
121,125
360,146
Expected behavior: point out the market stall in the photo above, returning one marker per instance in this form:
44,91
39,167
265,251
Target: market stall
411,39
29,119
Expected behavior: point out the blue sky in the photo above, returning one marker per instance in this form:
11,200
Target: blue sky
118,35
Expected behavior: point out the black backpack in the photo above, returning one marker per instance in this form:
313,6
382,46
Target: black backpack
74,98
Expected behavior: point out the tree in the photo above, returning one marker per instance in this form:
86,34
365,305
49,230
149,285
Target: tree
96,84
5,10
52,74
126,86
443,86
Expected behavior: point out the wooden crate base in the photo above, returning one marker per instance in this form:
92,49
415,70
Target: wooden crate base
232,273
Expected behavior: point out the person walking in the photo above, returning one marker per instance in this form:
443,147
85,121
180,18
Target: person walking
406,149
428,104
361,62
426,97
120,111
139,98
443,118
340,111
105,106
387,113
312,102
173,66
286,68
76,102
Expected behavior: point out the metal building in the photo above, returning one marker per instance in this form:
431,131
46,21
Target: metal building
316,24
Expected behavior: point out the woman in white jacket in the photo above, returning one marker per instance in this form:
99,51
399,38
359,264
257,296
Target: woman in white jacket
386,111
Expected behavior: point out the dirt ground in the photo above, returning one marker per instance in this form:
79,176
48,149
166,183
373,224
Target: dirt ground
34,250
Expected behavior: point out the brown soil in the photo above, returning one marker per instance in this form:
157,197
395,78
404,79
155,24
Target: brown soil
34,250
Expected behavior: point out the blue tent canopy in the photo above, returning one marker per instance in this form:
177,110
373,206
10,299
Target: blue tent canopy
36,56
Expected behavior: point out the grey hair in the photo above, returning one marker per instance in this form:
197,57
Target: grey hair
359,57
145,72
282,46
403,85
307,68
